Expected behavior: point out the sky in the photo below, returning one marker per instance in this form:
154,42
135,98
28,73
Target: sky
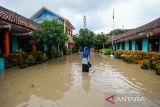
129,14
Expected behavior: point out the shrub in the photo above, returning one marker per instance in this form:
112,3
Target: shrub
117,54
105,51
44,57
123,56
128,58
38,56
65,50
69,51
15,59
145,64
158,68
31,60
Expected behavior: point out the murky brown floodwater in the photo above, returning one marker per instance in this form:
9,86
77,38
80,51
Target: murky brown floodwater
60,83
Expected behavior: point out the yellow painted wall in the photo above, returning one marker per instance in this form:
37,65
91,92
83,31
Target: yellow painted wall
64,26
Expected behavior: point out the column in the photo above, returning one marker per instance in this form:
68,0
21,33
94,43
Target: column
14,43
6,42
126,45
145,44
133,44
2,64
34,48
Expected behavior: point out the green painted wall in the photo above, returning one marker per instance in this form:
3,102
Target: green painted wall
145,44
133,44
53,46
45,47
120,46
116,46
2,64
126,45
14,43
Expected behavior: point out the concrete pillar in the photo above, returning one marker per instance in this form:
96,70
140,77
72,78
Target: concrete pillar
145,44
2,64
14,43
133,44
34,48
126,45
6,42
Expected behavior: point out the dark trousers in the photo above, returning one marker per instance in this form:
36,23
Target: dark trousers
85,68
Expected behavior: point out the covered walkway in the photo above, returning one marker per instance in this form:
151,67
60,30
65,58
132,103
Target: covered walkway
145,38
15,31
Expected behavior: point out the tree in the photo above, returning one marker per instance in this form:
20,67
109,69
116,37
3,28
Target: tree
118,32
100,39
84,38
50,33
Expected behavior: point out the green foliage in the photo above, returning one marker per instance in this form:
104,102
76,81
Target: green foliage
31,60
100,39
44,57
85,38
145,64
65,50
54,53
88,38
128,58
158,68
69,51
118,32
105,51
51,32
15,59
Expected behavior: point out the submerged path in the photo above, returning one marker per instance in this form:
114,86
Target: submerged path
60,83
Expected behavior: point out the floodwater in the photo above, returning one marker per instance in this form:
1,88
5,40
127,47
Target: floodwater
61,83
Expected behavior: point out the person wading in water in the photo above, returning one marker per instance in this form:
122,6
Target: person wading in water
85,61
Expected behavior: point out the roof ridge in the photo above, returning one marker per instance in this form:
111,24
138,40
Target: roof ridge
44,8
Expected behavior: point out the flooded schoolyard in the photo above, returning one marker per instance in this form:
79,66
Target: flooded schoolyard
61,83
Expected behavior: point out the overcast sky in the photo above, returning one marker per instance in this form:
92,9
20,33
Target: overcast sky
128,13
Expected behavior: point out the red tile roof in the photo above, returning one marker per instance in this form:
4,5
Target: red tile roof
138,32
14,18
